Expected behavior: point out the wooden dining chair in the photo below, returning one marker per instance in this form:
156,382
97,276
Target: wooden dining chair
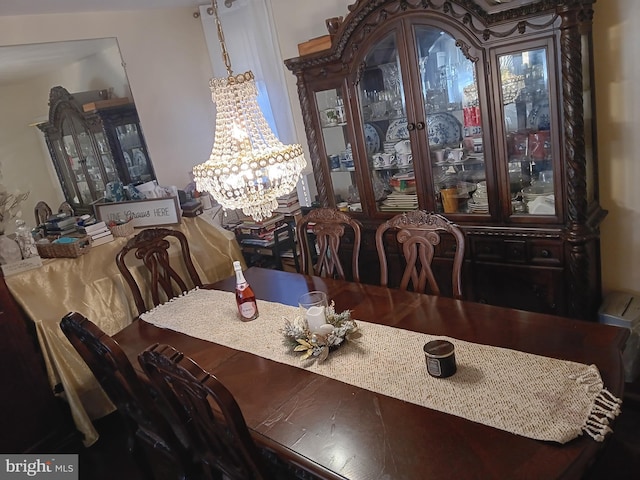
419,233
151,246
42,212
151,440
67,209
204,415
328,227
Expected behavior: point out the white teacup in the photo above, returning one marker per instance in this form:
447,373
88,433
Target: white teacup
389,159
405,159
455,154
403,146
382,160
438,155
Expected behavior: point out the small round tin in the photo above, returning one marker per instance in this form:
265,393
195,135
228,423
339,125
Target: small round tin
440,357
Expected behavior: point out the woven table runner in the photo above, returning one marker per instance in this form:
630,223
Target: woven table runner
529,395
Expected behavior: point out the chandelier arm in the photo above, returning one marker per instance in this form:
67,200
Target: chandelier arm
225,55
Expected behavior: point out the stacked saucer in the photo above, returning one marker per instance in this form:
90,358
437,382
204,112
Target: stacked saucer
479,203
399,202
389,147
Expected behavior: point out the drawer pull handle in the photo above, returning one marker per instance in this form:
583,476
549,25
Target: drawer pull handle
420,125
411,126
545,253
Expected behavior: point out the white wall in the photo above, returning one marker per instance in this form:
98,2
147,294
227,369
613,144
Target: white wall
616,42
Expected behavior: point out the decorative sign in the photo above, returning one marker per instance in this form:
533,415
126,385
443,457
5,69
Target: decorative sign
145,213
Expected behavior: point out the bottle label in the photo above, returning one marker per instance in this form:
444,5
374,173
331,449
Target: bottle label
247,309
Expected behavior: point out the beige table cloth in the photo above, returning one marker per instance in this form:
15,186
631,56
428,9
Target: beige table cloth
530,395
92,285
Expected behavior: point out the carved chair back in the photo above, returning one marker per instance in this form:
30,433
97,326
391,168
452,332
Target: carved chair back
418,233
151,440
151,246
328,226
42,212
66,208
203,413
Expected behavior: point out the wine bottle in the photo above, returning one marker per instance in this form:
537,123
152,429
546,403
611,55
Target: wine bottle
245,298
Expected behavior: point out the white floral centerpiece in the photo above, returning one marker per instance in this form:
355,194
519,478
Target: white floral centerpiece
9,209
9,206
316,344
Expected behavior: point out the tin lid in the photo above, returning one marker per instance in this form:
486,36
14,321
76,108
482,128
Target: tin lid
438,348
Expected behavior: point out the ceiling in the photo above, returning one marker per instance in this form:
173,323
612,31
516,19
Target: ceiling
34,7
19,62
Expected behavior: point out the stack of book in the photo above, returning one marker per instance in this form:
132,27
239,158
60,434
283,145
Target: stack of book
288,204
60,225
99,233
262,233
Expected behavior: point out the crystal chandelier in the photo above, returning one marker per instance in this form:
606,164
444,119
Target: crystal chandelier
249,168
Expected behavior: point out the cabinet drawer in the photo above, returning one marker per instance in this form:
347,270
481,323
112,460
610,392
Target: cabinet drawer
532,288
488,249
546,253
515,251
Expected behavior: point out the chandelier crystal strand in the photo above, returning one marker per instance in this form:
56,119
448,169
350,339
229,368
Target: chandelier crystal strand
249,168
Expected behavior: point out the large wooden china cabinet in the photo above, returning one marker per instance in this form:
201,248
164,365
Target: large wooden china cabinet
94,141
482,110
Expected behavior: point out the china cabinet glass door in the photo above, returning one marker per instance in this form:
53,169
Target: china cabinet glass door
383,112
454,127
338,149
524,88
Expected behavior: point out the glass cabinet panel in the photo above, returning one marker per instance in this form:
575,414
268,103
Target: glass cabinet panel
133,150
524,87
454,126
338,149
389,150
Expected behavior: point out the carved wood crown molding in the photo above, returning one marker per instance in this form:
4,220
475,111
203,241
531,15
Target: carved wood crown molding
366,15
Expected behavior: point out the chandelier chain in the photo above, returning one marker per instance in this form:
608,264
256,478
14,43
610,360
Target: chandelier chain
223,45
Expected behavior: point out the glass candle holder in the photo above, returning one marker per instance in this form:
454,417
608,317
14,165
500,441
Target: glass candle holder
313,307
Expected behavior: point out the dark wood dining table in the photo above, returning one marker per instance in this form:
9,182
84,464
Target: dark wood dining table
335,430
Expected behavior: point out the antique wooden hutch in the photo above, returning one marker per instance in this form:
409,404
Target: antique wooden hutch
94,141
480,109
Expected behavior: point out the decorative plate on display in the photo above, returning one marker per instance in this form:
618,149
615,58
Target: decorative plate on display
539,118
372,138
443,129
139,158
127,159
397,130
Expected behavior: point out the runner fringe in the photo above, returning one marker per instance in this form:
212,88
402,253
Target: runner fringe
605,406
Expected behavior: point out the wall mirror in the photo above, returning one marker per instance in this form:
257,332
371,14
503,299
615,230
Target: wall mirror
27,75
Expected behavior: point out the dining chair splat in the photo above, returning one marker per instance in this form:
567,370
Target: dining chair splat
151,441
328,226
418,233
204,415
151,246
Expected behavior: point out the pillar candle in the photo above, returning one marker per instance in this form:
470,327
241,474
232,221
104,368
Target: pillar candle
315,317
